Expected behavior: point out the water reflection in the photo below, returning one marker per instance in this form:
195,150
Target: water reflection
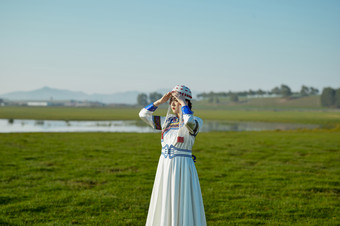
19,125
253,126
39,122
11,126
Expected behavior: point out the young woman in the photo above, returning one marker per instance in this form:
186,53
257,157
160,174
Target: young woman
176,195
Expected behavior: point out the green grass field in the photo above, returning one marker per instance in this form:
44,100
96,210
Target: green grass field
272,178
326,118
308,102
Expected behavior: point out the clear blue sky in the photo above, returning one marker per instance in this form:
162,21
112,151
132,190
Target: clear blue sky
215,45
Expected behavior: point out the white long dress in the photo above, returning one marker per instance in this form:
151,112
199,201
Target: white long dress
176,198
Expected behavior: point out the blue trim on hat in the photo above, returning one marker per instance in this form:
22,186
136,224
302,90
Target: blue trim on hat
186,110
151,107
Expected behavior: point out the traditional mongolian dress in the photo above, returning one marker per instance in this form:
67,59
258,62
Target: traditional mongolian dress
176,198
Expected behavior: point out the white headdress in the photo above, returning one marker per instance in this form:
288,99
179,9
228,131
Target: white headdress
184,91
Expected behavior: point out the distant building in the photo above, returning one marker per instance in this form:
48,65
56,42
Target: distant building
41,104
74,103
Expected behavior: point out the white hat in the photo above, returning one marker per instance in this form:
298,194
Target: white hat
184,91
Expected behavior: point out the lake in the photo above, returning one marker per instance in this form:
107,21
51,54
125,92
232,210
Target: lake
22,125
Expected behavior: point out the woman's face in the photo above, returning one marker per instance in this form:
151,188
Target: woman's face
175,106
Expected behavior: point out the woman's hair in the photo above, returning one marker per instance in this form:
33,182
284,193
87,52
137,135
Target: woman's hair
188,102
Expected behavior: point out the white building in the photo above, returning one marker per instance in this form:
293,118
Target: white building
41,104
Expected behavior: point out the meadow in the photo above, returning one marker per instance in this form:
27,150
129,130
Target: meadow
325,117
273,178
247,178
307,102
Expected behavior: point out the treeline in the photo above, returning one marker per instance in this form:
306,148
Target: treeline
143,99
282,91
330,97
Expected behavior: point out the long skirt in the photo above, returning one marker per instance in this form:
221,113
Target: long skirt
176,198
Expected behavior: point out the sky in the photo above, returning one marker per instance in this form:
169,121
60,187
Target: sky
131,45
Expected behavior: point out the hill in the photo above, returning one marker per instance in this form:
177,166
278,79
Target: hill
47,93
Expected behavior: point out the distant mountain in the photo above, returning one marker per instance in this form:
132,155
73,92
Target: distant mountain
47,93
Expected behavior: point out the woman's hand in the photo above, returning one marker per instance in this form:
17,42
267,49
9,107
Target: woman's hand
179,98
164,99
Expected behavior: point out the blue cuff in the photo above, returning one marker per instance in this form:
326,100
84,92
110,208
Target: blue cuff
186,110
151,107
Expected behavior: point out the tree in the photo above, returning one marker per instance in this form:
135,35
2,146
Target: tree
337,98
202,95
233,97
260,92
313,91
285,91
251,92
328,97
142,99
242,93
276,91
154,96
304,91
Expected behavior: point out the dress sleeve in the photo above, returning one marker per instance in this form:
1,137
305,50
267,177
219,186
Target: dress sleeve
146,114
194,124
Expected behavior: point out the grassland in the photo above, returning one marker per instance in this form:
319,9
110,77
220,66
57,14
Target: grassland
272,178
307,103
247,178
327,118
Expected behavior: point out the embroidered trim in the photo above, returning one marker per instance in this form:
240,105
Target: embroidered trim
169,151
151,107
157,122
180,139
195,130
186,110
173,124
184,94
